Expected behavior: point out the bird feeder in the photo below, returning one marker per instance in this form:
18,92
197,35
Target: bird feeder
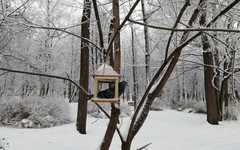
105,74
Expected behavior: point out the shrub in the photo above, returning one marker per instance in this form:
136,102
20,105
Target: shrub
232,111
160,104
192,105
34,111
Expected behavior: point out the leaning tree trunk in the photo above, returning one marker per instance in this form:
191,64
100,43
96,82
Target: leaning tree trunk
84,64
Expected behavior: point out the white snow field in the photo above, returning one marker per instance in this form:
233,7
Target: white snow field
165,130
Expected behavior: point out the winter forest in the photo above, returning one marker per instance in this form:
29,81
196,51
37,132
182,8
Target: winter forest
180,55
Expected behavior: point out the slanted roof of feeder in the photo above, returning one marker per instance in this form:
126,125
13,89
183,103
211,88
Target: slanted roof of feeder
106,70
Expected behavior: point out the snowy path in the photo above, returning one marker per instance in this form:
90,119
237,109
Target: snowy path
166,130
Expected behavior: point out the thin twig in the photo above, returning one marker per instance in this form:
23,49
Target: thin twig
144,146
121,25
187,3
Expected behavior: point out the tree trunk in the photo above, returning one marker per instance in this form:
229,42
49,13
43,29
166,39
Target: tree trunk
147,45
116,22
224,90
110,34
126,145
115,112
210,91
84,66
134,71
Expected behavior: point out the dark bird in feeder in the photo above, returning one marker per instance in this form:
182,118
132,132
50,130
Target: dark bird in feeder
109,93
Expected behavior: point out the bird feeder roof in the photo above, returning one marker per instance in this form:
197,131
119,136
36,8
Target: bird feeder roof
106,71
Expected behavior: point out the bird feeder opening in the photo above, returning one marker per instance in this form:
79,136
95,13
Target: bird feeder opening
106,74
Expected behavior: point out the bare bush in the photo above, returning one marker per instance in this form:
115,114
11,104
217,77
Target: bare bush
34,111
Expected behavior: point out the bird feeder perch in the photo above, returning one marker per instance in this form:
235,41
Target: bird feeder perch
106,74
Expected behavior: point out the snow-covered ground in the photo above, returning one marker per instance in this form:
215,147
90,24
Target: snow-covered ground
165,130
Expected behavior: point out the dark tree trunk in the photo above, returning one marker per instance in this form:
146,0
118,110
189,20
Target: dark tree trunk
126,145
224,90
210,91
110,34
116,22
115,112
84,66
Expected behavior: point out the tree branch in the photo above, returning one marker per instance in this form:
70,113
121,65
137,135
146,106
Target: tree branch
144,146
63,30
187,3
36,26
187,29
98,23
45,75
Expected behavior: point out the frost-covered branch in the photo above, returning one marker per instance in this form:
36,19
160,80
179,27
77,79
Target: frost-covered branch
202,29
187,3
64,30
45,75
144,147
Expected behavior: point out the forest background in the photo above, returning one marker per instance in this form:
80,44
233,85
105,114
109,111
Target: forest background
58,39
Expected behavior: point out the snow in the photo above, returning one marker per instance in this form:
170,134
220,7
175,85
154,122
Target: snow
107,70
168,129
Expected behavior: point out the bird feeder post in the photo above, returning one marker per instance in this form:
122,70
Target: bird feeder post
96,87
105,74
116,88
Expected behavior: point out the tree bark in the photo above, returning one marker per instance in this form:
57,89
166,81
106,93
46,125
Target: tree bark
147,44
134,71
224,90
116,22
84,66
210,91
115,111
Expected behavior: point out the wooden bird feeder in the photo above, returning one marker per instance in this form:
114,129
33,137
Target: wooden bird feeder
106,74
